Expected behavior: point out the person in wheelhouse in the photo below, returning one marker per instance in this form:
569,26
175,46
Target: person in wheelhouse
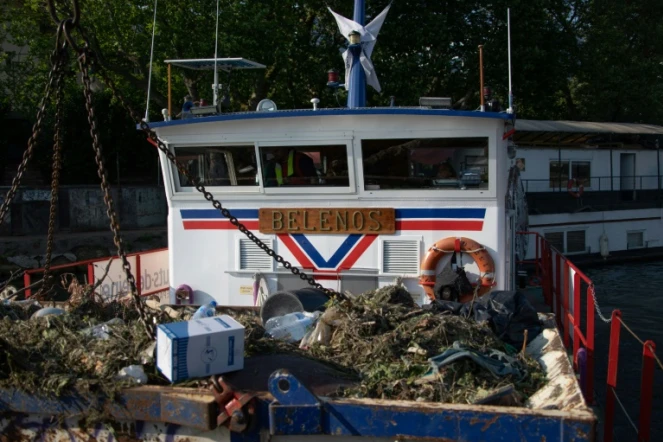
289,167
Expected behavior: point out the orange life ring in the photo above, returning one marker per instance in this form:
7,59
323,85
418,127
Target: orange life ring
449,245
574,183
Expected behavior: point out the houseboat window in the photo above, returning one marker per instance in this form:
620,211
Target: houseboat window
562,171
218,165
433,163
315,165
571,241
635,239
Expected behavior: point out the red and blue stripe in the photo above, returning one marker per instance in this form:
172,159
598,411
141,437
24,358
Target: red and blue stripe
354,246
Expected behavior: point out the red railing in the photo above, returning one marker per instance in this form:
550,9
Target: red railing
90,263
562,284
646,381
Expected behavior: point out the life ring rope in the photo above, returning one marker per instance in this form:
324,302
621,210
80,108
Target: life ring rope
479,254
451,251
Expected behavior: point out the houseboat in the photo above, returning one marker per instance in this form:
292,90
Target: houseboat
593,189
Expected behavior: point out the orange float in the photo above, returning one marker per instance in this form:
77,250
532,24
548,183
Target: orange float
574,183
461,244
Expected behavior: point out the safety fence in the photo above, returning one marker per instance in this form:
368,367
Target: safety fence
150,269
565,288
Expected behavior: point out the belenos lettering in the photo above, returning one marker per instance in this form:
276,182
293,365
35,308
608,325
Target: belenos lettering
327,221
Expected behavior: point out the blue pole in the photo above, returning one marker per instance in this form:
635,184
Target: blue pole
357,92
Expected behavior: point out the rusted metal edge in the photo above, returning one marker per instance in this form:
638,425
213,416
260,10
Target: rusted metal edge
180,406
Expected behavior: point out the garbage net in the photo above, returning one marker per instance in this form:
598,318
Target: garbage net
508,314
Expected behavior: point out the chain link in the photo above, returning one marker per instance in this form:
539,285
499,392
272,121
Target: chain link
58,63
592,291
152,136
55,181
83,63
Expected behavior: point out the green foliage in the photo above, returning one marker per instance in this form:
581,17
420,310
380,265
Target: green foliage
572,59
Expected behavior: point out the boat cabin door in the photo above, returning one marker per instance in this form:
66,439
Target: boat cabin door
627,174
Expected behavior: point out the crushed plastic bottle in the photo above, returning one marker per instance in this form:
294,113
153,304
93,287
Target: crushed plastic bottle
134,372
101,331
205,311
291,327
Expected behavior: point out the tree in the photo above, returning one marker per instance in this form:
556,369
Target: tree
572,59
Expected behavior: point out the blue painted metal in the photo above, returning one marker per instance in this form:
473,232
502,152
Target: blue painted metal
357,91
294,412
154,404
333,112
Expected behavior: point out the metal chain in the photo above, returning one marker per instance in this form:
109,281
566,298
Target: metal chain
88,57
55,181
208,196
83,63
57,62
596,305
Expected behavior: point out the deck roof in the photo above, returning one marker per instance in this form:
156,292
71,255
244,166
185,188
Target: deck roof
542,132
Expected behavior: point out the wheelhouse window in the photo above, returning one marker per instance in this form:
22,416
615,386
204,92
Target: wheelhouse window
218,165
305,166
432,163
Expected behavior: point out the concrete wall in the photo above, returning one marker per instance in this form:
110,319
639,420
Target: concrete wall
82,208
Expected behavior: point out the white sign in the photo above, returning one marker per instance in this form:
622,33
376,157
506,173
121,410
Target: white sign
154,275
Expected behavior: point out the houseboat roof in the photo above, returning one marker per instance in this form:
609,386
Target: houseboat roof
536,132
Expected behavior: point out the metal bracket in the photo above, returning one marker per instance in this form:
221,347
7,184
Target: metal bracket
295,410
236,410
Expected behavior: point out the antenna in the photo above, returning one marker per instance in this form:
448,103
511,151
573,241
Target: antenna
216,46
508,27
483,106
149,78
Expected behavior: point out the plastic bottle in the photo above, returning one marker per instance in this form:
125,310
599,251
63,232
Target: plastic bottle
291,327
101,331
205,311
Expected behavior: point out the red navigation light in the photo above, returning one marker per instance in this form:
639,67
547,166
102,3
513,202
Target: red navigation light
332,76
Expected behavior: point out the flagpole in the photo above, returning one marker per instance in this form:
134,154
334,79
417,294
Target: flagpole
357,92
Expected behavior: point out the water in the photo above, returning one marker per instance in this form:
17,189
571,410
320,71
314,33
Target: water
635,289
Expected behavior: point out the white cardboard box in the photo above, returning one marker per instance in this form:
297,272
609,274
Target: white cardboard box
200,347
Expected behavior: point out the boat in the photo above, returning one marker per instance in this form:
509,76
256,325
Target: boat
344,200
593,189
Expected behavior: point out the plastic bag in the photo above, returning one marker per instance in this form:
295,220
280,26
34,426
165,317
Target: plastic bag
509,314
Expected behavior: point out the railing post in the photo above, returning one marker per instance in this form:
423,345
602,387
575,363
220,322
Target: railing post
576,317
139,286
558,290
538,256
565,304
26,283
590,343
90,274
646,391
613,363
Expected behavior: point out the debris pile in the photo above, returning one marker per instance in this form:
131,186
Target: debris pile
383,337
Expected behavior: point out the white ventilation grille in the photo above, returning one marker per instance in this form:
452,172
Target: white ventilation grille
252,257
401,256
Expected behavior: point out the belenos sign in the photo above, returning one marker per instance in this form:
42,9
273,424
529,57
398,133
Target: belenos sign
327,220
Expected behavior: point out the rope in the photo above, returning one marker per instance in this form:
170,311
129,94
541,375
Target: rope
624,410
658,361
451,251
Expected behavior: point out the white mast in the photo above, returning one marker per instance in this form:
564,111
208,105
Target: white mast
216,45
508,27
